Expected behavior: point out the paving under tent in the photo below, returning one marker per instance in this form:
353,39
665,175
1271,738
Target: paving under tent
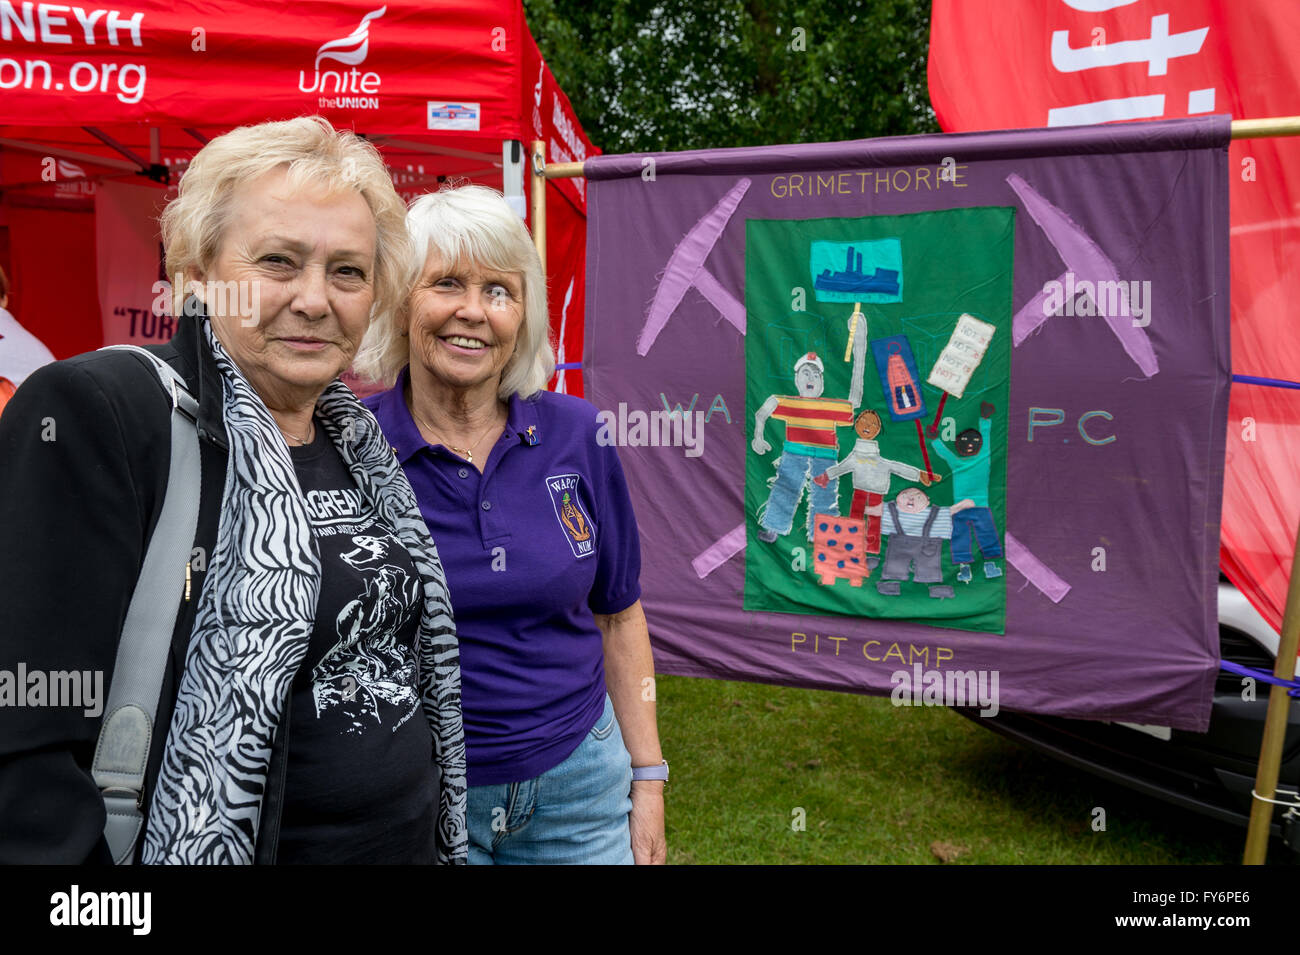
102,108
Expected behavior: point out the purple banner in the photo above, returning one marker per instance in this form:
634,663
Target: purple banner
1038,511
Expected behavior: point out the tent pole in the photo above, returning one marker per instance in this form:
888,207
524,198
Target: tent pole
1270,751
539,177
72,154
112,143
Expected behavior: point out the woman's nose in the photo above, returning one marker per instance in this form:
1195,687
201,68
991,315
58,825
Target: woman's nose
473,304
310,296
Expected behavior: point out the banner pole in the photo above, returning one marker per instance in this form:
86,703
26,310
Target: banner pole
564,170
1270,751
1241,129
538,192
1274,126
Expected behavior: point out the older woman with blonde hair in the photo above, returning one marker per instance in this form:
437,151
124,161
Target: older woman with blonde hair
532,515
310,702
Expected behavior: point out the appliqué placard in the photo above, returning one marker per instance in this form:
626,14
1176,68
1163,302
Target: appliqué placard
572,515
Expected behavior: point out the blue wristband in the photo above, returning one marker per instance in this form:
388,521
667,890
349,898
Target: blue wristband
659,772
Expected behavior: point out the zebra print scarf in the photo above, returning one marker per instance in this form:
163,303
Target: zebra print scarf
254,622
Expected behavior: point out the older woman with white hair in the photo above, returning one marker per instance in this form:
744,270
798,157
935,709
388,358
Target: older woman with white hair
309,708
532,516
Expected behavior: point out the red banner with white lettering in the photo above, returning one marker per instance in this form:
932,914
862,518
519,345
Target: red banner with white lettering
1001,64
398,67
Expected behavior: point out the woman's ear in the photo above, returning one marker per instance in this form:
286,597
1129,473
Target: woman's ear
403,319
187,294
194,282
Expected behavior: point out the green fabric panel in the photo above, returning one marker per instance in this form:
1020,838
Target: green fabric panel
954,262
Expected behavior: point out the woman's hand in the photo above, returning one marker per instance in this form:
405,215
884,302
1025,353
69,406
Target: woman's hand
630,679
649,845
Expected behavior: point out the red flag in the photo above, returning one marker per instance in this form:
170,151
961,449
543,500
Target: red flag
998,64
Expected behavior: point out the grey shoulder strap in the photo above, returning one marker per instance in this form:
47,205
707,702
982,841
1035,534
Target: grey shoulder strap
122,753
929,521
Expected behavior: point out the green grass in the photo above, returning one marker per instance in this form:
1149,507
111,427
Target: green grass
885,784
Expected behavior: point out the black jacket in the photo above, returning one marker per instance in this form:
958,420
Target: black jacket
84,452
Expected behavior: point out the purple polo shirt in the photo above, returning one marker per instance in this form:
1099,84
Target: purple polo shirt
532,547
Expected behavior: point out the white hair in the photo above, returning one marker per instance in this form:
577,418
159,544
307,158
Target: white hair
472,225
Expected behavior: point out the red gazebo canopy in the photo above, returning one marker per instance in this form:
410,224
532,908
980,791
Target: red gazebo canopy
95,94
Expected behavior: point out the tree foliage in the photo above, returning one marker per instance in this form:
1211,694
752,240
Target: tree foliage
649,76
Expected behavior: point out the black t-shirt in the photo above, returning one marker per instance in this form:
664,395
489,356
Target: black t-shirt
360,783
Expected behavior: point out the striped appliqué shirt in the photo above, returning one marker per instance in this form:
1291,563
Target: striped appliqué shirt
813,421
914,524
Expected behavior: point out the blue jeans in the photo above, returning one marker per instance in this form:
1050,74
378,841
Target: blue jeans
792,473
573,814
976,522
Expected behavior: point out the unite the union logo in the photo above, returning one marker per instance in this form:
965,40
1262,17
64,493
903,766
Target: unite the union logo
350,50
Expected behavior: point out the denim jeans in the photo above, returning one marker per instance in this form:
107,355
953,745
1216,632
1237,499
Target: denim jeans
976,522
792,474
573,814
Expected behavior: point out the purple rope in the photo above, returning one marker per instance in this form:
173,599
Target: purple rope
1264,675
1271,382
565,365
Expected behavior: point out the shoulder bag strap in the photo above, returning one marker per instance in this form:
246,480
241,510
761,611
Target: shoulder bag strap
122,753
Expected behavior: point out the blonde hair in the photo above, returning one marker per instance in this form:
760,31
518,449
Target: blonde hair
316,154
470,224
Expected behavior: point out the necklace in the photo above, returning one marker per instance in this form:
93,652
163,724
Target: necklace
466,453
301,441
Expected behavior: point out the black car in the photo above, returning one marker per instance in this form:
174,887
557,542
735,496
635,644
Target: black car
1211,772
